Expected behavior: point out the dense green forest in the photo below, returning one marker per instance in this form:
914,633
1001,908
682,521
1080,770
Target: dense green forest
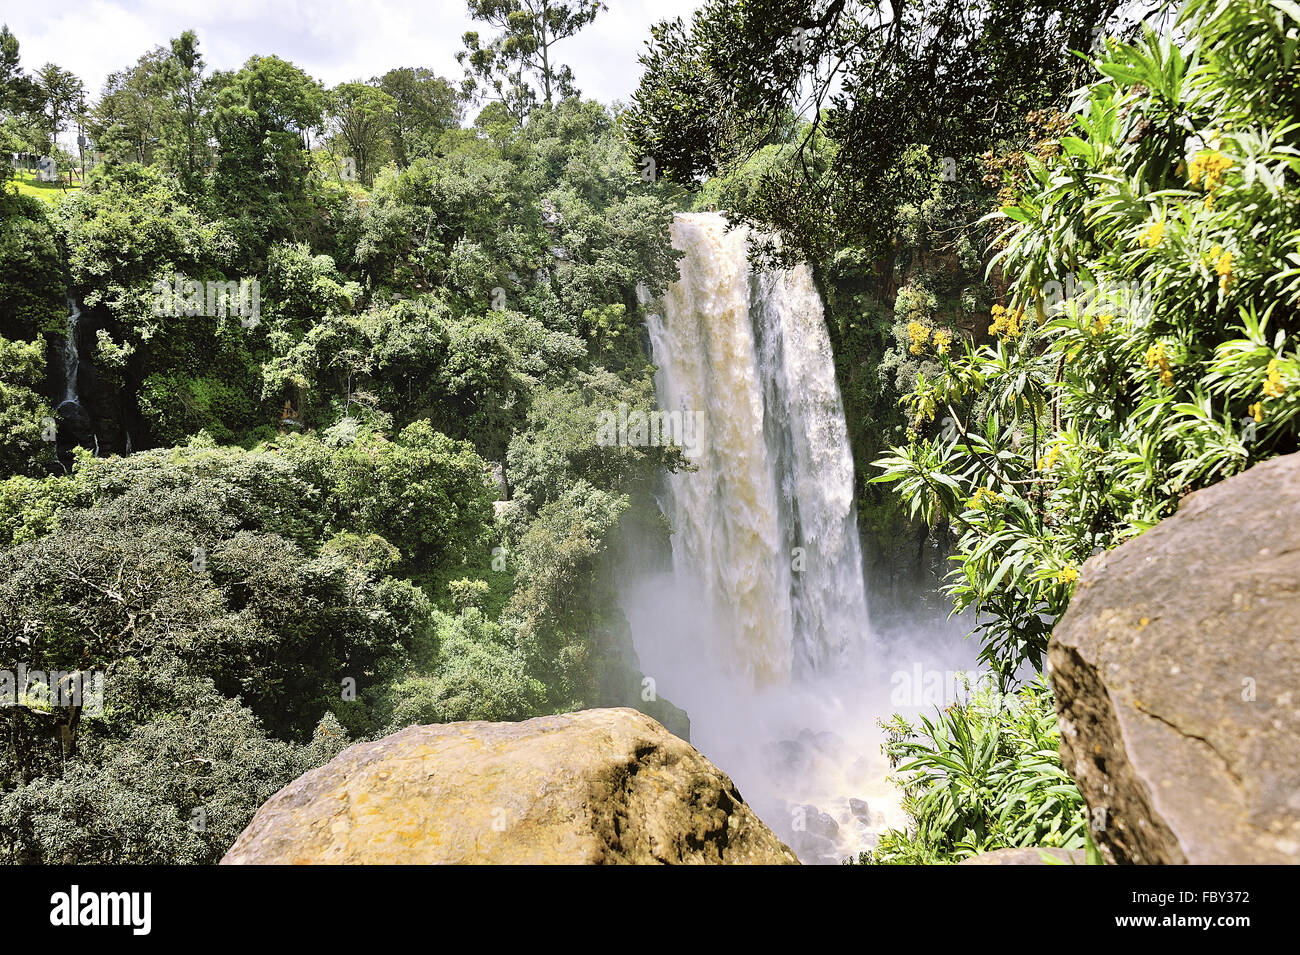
302,547
1061,278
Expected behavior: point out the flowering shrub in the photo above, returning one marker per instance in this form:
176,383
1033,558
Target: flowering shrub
1174,202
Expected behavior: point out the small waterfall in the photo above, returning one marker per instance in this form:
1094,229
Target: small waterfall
759,629
71,357
76,427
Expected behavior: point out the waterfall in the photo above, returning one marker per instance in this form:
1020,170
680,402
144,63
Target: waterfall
71,357
765,526
76,425
759,627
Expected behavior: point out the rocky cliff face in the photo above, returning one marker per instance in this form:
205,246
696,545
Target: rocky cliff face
598,786
1177,679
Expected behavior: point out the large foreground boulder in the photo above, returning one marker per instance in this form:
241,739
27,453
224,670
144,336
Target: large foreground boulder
1177,679
599,786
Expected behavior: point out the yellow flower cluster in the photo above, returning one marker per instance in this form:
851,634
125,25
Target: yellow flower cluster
1068,574
1210,166
1101,323
1006,324
1257,412
1151,236
1221,259
1050,458
1157,357
1273,386
982,498
918,334
1223,266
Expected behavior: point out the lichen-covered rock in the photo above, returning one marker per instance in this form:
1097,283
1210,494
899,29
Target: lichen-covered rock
1177,679
598,786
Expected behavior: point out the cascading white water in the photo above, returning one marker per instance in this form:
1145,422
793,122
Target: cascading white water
71,357
765,525
726,520
759,629
73,416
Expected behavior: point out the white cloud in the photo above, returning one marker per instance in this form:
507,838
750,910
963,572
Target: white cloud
333,40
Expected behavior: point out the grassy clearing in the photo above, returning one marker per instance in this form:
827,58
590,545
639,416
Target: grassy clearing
28,184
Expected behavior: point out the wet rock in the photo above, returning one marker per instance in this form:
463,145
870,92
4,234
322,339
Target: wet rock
817,822
815,848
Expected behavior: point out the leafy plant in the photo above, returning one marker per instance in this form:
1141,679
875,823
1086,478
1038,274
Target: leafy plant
985,774
1145,346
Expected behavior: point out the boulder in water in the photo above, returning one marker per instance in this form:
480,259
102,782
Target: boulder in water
819,823
597,786
815,835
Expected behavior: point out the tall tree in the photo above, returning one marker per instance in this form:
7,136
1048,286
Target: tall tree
528,31
424,107
10,71
185,145
61,94
492,76
128,121
20,101
17,91
263,119
154,111
360,116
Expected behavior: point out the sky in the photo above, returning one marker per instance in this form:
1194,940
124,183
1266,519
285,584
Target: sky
333,40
